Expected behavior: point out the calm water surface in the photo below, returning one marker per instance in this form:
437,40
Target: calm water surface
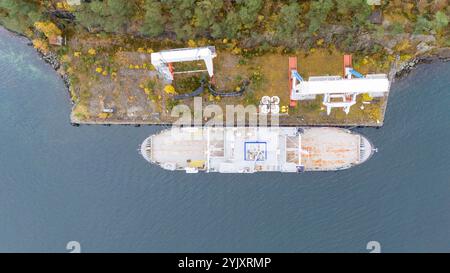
60,183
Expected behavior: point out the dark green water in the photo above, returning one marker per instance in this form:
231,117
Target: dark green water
60,183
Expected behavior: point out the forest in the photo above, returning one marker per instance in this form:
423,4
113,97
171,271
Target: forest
251,22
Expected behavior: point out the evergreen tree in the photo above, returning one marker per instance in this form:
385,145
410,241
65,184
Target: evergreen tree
423,25
288,20
248,12
229,27
19,15
440,21
318,13
206,14
153,20
181,15
354,11
109,15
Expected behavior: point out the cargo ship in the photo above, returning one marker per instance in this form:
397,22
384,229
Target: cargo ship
256,149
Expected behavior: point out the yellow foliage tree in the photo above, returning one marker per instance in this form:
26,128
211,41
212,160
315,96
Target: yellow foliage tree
41,45
48,28
236,51
62,6
169,89
366,97
103,115
403,46
192,43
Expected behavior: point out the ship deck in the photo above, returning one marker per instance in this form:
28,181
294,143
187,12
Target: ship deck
329,149
181,146
235,150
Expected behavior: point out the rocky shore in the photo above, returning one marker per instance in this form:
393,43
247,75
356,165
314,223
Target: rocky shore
402,70
52,59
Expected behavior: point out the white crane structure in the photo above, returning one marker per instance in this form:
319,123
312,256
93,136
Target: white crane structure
338,92
162,61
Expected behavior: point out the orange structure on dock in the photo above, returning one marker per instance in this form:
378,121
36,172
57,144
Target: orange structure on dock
292,67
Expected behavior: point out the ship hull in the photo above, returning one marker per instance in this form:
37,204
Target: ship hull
256,149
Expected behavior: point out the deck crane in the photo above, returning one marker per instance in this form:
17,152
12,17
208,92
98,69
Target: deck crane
337,91
162,61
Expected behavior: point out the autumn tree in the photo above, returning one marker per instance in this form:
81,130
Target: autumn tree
41,45
48,28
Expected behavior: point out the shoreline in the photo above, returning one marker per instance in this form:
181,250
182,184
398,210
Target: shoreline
396,72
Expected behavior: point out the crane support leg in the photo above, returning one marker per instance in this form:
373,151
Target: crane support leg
292,67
